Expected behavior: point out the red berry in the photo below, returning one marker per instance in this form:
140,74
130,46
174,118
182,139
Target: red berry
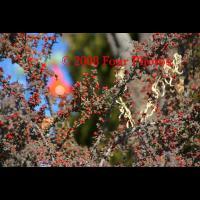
105,88
85,74
154,75
194,87
44,65
9,136
30,59
97,86
78,84
1,123
94,77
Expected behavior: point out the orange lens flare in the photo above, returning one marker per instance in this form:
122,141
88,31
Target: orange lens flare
58,86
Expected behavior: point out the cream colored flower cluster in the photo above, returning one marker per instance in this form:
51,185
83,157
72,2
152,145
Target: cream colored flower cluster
158,90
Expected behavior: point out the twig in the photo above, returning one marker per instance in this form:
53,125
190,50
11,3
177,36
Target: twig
44,140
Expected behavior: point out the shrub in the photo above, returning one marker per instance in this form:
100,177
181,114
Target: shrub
165,133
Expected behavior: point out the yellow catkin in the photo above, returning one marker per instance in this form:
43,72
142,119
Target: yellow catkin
150,107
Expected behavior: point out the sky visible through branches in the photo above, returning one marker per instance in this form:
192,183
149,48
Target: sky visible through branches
60,49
